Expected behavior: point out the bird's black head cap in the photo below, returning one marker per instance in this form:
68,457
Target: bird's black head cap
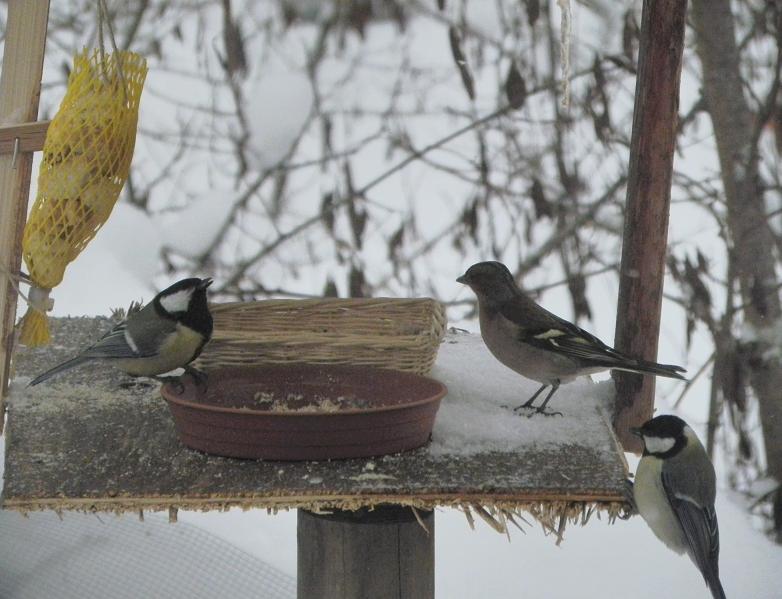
185,302
663,436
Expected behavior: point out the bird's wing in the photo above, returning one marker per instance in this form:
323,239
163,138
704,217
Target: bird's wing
541,328
140,336
114,345
699,523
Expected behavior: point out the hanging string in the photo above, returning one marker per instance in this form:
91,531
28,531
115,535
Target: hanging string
103,17
38,299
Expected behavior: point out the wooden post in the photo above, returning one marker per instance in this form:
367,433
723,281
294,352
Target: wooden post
648,199
382,553
20,90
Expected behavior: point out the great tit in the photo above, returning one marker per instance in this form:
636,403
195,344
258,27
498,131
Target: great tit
168,333
674,492
537,344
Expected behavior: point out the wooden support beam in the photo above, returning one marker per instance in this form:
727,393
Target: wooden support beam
648,200
30,135
384,553
20,90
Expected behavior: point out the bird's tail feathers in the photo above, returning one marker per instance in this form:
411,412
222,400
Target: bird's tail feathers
713,582
58,369
644,367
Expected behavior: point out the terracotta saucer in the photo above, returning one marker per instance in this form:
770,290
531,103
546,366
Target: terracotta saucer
304,411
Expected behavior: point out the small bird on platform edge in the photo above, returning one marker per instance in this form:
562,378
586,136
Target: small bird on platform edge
674,492
537,344
166,334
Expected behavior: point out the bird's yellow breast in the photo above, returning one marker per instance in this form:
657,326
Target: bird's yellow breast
653,505
176,351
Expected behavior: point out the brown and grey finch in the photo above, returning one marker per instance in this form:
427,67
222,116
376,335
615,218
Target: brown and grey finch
538,344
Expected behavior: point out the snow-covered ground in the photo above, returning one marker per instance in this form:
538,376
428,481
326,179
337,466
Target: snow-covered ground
597,561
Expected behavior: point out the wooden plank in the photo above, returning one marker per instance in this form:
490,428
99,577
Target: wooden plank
648,200
30,135
86,442
384,553
20,89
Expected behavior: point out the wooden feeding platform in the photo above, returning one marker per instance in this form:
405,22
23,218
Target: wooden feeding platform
92,440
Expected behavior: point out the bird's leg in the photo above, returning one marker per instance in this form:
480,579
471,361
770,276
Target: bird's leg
629,494
529,402
542,407
133,381
174,381
199,376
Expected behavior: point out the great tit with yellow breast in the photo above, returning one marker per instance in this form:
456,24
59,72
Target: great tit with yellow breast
538,344
166,334
674,491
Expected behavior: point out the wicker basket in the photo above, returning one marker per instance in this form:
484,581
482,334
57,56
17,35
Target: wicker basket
402,334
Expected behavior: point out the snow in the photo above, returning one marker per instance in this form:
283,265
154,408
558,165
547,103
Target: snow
206,214
476,416
277,109
92,556
117,266
762,487
620,560
484,18
600,560
122,264
769,336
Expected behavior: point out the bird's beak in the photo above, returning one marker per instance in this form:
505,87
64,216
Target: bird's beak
462,280
205,283
634,430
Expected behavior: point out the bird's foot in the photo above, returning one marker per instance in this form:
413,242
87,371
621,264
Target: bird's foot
134,383
629,494
541,410
174,381
200,377
545,412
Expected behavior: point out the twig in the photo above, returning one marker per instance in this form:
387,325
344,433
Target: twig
694,378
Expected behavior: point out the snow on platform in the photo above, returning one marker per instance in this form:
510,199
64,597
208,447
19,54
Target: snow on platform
84,442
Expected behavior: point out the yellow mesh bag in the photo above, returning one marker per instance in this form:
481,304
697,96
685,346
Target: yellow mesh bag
86,160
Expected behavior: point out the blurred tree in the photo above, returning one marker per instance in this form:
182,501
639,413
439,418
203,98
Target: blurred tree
752,261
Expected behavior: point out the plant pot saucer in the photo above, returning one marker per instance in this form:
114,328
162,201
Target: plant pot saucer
304,411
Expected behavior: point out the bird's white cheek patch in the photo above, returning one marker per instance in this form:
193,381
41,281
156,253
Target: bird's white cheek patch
176,302
659,444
